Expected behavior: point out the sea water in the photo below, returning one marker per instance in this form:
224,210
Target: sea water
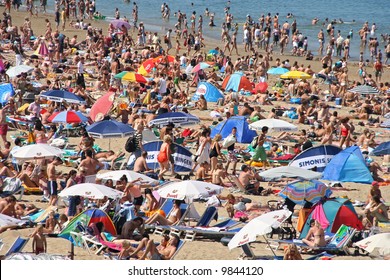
353,13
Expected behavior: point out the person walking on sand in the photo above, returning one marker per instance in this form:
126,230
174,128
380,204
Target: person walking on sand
3,123
52,180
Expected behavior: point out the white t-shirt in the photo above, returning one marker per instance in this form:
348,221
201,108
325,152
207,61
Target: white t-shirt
246,33
80,68
163,86
183,60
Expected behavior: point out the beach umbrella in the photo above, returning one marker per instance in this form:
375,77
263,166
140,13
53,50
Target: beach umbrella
189,189
109,129
91,190
295,75
161,58
42,49
274,125
102,107
59,95
365,89
68,117
305,190
236,82
261,87
200,66
37,151
177,118
382,150
213,52
259,226
278,173
131,176
117,23
379,242
131,76
147,66
17,70
277,71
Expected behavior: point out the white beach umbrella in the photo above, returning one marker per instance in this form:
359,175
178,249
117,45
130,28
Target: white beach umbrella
380,242
289,172
189,189
37,151
259,226
17,70
273,125
131,176
91,190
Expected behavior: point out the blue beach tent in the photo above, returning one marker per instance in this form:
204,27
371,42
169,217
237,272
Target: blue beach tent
244,133
6,91
348,166
210,92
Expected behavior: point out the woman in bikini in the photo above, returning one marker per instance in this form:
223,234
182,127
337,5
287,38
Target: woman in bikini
215,152
173,218
316,235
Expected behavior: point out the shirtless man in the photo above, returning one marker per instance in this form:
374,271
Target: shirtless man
201,173
218,175
140,164
52,180
160,252
3,123
246,177
7,206
91,165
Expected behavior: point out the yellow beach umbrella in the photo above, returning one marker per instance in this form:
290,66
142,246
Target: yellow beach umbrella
295,75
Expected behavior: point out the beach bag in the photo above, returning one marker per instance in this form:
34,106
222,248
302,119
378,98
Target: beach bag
230,140
254,142
130,145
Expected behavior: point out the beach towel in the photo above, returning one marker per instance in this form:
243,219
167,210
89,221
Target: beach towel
302,216
319,215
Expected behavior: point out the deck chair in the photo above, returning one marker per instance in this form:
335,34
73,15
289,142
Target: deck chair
179,246
248,254
226,228
17,246
205,220
338,244
12,186
87,242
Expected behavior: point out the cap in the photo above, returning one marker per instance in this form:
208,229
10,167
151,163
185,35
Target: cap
375,183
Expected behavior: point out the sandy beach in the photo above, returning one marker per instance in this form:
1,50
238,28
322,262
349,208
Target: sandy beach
204,249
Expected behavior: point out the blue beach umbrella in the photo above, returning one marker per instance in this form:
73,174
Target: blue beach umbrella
277,71
58,95
177,118
109,129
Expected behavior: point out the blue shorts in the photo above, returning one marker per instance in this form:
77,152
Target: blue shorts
52,186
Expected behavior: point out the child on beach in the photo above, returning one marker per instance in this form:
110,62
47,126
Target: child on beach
39,244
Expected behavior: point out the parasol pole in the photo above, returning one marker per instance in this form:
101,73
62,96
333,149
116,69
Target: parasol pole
269,246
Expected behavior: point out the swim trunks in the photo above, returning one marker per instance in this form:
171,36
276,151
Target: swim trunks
52,186
3,129
138,200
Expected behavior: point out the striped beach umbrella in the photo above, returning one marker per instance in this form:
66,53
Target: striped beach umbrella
68,117
365,89
311,191
147,66
131,76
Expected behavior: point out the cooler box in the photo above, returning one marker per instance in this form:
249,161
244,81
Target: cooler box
338,101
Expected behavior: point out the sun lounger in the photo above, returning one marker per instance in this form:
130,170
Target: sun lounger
339,242
204,221
17,246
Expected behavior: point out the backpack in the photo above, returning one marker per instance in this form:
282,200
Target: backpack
130,145
254,142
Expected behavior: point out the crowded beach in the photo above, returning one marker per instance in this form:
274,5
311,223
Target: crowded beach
121,142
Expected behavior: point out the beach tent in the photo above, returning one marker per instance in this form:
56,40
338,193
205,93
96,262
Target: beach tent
6,91
348,166
182,157
86,218
382,149
236,82
244,134
210,92
334,212
318,157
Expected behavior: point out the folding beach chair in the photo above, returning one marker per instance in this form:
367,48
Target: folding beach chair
208,215
17,246
248,254
185,209
338,244
179,246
